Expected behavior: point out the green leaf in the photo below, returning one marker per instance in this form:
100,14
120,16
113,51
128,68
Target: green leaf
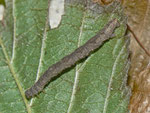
28,47
2,2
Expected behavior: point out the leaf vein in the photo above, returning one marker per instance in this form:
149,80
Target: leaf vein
42,52
77,70
111,79
15,76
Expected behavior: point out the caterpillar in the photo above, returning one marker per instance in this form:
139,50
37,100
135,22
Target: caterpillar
71,59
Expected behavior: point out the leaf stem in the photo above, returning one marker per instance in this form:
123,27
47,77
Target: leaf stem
138,41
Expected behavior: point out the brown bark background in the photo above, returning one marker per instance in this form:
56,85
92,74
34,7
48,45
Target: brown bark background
138,13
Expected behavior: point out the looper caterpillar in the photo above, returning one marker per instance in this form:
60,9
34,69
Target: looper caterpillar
71,59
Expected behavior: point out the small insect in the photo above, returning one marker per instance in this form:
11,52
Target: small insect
71,59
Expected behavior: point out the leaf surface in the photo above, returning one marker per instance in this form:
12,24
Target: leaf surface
29,47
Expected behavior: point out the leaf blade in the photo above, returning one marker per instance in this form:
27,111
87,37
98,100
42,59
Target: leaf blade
77,26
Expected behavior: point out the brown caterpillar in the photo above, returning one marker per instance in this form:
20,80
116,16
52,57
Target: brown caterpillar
71,59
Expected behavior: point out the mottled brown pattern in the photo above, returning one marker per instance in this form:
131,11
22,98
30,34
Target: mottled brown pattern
71,59
138,12
106,2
